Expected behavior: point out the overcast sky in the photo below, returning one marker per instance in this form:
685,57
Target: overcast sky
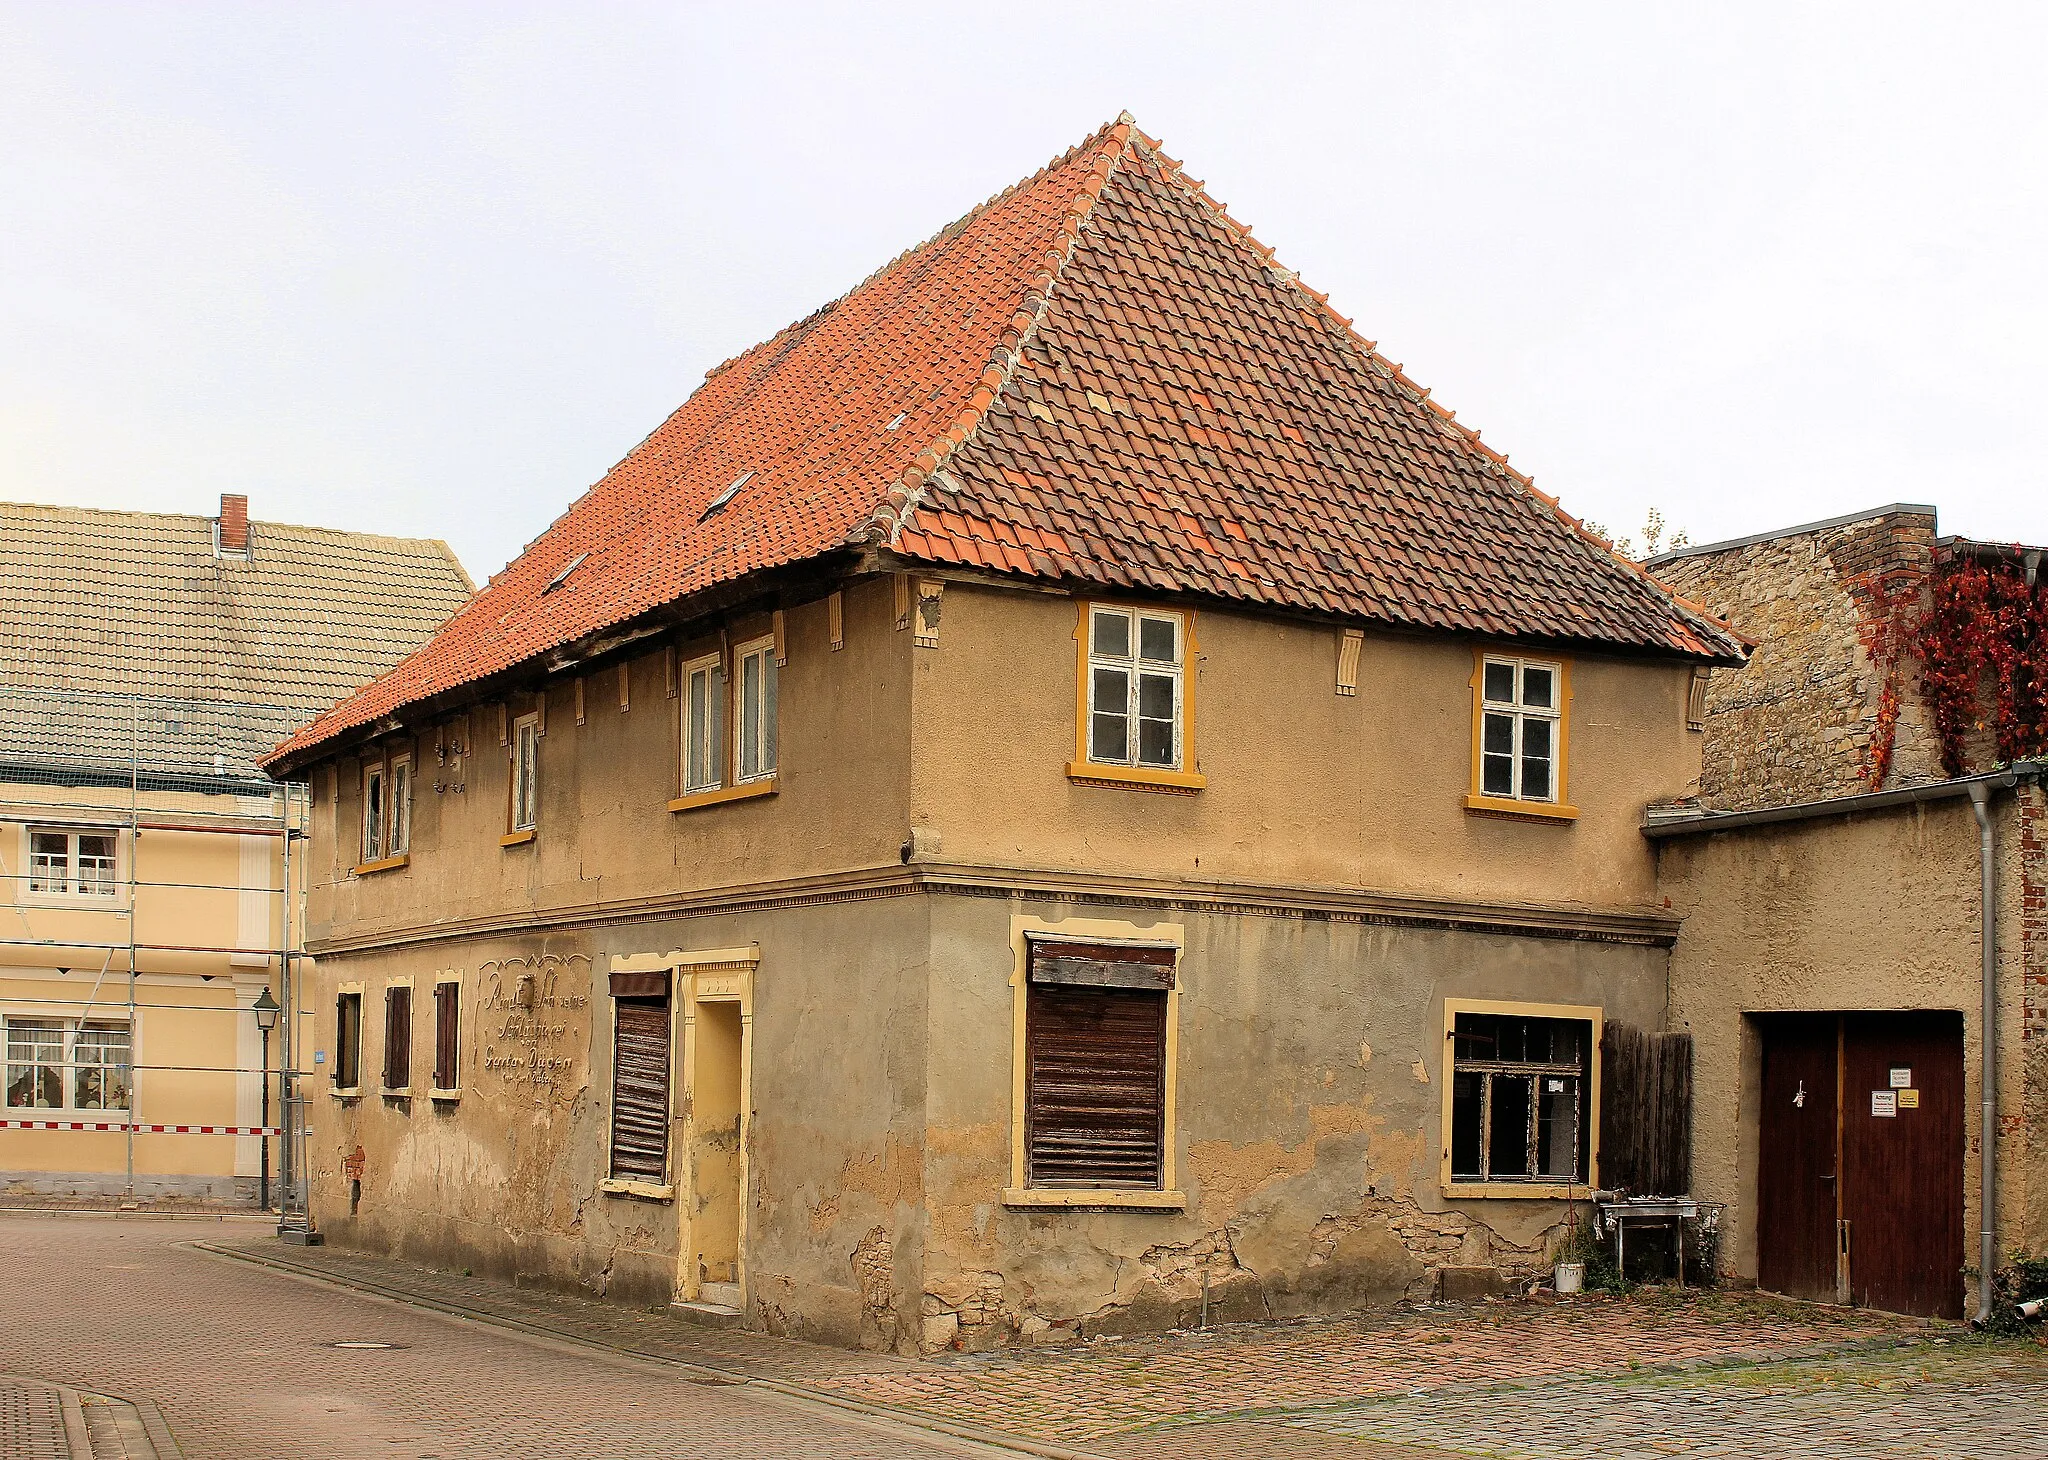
432,269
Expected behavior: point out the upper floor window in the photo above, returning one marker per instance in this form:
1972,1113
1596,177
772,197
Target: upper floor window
387,809
373,813
525,772
1519,739
754,717
729,723
401,805
68,1064
1135,692
80,863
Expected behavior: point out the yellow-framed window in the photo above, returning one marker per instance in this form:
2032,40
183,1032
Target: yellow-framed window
1521,734
1521,1112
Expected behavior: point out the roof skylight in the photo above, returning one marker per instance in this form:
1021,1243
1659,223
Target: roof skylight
718,502
567,568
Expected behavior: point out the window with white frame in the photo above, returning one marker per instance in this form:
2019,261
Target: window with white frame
703,725
1135,694
68,1064
400,794
1520,728
525,772
1520,1109
78,863
373,813
754,711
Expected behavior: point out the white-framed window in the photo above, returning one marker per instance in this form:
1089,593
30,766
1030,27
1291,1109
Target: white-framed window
1521,721
400,840
68,1064
754,711
1135,698
74,862
525,772
703,710
373,813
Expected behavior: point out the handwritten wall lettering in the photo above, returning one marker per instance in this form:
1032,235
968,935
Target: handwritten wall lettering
535,1025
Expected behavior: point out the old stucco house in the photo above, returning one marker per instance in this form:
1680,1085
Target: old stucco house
1864,885
1058,783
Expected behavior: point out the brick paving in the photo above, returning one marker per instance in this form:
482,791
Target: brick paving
32,1422
237,1360
1083,1394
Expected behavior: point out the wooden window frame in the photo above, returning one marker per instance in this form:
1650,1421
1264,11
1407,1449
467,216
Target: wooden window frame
392,1050
67,1065
380,824
1557,806
1020,1193
522,784
398,797
1087,770
448,1037
724,672
711,667
766,732
1592,1015
71,894
348,1040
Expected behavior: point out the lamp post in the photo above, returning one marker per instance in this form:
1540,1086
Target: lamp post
266,1009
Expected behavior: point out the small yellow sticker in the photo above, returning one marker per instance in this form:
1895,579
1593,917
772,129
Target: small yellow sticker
1909,1099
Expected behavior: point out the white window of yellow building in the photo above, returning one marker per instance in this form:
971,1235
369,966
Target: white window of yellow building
66,1064
68,862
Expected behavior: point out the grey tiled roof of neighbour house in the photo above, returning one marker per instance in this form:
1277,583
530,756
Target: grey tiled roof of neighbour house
130,644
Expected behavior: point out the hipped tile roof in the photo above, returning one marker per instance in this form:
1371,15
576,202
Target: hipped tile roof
1096,377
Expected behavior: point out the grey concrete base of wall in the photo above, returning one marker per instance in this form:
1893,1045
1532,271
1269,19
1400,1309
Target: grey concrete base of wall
239,1191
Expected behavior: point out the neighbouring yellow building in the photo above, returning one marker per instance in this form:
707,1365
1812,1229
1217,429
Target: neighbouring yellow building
148,891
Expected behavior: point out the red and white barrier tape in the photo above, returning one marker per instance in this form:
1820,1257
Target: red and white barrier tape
176,1130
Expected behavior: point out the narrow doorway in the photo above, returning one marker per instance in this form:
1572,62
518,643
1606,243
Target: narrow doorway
1860,1159
715,1102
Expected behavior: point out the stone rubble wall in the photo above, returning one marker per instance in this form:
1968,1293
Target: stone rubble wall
1796,723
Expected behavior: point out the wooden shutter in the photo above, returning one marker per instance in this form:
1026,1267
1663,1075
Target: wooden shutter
1645,1111
640,1103
447,1010
1095,1084
398,1037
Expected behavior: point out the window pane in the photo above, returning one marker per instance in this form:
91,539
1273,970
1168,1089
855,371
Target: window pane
96,865
1497,775
35,1047
1109,738
49,861
1508,1154
1500,683
750,716
1538,686
1557,1128
100,1079
1155,743
1155,696
1499,736
1112,635
1159,640
1467,1091
1536,759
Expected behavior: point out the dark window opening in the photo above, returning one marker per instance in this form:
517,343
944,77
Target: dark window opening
348,1041
1519,1098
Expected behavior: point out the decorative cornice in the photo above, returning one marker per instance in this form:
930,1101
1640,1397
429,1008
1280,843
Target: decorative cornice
1637,927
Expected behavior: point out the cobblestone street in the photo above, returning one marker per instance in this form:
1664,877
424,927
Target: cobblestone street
237,1356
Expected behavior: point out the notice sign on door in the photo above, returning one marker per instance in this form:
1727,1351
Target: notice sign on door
1884,1102
1902,1077
1909,1100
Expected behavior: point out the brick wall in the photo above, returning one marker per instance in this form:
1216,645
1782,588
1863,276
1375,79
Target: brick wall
1795,724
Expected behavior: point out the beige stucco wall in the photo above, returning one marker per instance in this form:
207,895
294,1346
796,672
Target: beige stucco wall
1310,1090
1878,911
1304,785
67,957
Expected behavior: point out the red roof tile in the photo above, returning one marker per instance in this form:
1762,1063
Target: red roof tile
1100,377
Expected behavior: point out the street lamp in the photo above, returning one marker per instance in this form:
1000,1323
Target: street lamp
266,1009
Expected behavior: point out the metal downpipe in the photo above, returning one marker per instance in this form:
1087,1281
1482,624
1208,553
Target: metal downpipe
1987,1196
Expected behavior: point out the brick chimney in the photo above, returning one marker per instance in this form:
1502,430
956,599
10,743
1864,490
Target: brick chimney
234,524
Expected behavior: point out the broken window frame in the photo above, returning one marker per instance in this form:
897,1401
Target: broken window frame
1584,1070
523,811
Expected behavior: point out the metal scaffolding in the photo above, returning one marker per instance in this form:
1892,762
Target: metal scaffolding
87,774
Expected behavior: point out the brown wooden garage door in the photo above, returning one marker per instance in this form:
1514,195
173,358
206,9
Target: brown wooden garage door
1860,1160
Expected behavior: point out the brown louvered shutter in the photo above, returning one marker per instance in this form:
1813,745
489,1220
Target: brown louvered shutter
640,1071
1095,1093
397,1037
447,1010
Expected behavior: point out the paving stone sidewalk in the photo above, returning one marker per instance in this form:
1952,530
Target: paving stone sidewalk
1353,1387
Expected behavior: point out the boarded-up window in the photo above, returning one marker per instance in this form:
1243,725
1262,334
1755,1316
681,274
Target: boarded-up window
640,1076
348,1041
447,1014
398,1037
1645,1111
1095,1079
